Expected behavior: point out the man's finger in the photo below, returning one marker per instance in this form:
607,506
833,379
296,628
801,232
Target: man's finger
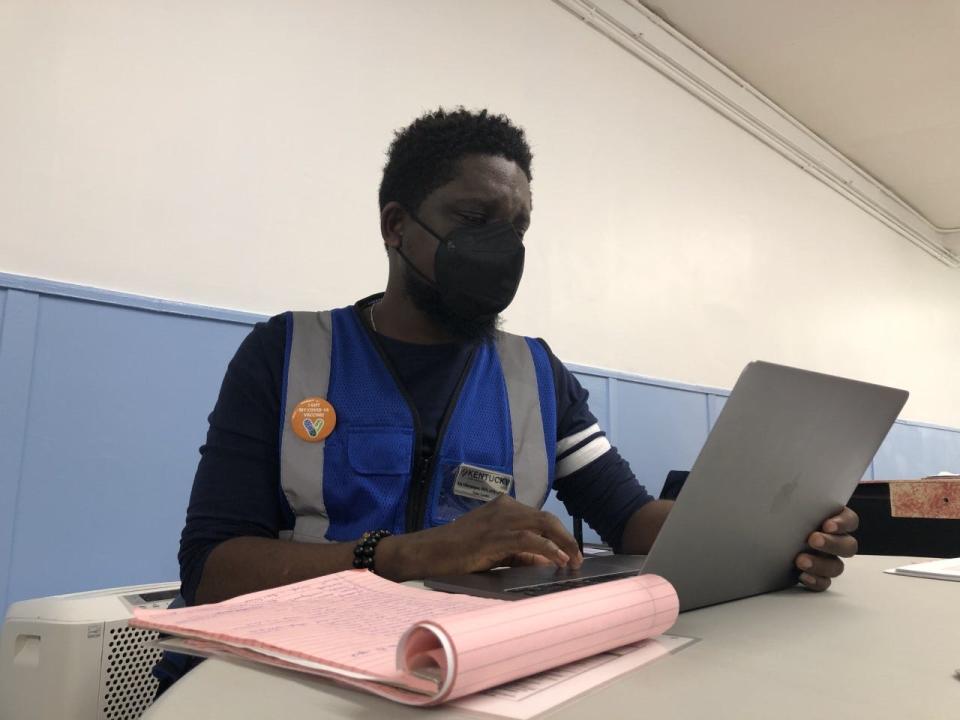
813,582
846,521
819,566
527,541
841,545
550,526
526,559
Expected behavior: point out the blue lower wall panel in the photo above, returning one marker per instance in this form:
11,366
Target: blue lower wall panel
104,401
109,430
118,409
715,405
17,341
598,396
659,429
912,451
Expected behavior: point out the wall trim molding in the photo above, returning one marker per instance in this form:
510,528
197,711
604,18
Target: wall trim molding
87,293
614,375
645,380
642,33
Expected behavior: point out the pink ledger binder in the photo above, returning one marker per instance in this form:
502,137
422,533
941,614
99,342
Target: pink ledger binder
414,646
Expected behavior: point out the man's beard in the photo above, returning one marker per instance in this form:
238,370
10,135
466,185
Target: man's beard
426,299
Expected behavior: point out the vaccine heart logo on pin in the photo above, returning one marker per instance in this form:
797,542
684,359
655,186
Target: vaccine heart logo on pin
313,427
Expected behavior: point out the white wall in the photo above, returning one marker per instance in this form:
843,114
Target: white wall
228,153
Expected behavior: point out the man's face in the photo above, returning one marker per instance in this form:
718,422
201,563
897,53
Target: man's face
487,189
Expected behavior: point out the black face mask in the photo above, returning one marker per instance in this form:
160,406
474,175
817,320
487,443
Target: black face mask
478,269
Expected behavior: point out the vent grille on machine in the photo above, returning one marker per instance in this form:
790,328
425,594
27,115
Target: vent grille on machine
128,684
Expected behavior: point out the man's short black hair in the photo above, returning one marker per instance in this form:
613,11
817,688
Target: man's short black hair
424,155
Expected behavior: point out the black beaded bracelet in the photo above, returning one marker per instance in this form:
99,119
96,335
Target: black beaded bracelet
365,548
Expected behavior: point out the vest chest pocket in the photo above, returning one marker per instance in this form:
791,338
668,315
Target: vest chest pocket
368,491
380,452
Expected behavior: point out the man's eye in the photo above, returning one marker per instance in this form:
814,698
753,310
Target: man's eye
470,219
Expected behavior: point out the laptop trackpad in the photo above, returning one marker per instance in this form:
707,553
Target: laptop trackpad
515,583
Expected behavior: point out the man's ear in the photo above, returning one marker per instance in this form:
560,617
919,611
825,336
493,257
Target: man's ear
392,222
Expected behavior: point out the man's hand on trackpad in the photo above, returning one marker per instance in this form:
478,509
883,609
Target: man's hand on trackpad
500,532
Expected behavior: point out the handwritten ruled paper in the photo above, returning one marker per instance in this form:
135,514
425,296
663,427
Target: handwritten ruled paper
387,638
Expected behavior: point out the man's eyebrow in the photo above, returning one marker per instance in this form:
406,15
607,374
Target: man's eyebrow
484,202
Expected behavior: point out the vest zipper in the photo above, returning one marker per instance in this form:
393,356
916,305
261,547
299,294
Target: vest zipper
417,501
417,494
422,466
420,489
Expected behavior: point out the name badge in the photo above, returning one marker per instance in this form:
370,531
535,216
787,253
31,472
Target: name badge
479,483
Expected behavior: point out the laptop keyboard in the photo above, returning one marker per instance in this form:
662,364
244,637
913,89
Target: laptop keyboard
552,587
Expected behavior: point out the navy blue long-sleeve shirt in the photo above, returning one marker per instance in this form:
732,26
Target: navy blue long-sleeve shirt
236,491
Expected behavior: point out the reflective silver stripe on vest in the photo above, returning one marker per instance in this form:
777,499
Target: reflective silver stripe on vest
530,472
308,375
301,463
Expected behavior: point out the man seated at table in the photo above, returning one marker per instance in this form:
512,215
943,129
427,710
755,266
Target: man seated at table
407,433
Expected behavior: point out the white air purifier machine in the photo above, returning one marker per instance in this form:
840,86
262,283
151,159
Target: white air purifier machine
75,656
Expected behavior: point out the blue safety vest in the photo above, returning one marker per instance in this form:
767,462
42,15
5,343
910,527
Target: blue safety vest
368,473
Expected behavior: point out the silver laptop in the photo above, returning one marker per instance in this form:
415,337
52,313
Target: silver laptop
786,452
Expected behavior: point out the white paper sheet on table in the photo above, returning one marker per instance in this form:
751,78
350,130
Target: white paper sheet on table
948,569
526,698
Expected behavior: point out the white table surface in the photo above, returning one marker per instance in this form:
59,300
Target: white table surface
874,646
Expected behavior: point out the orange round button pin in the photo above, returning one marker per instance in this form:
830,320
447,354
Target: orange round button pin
313,419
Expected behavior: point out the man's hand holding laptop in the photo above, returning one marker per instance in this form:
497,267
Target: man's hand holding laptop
827,545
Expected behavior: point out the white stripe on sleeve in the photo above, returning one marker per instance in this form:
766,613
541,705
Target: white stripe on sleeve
582,457
571,440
